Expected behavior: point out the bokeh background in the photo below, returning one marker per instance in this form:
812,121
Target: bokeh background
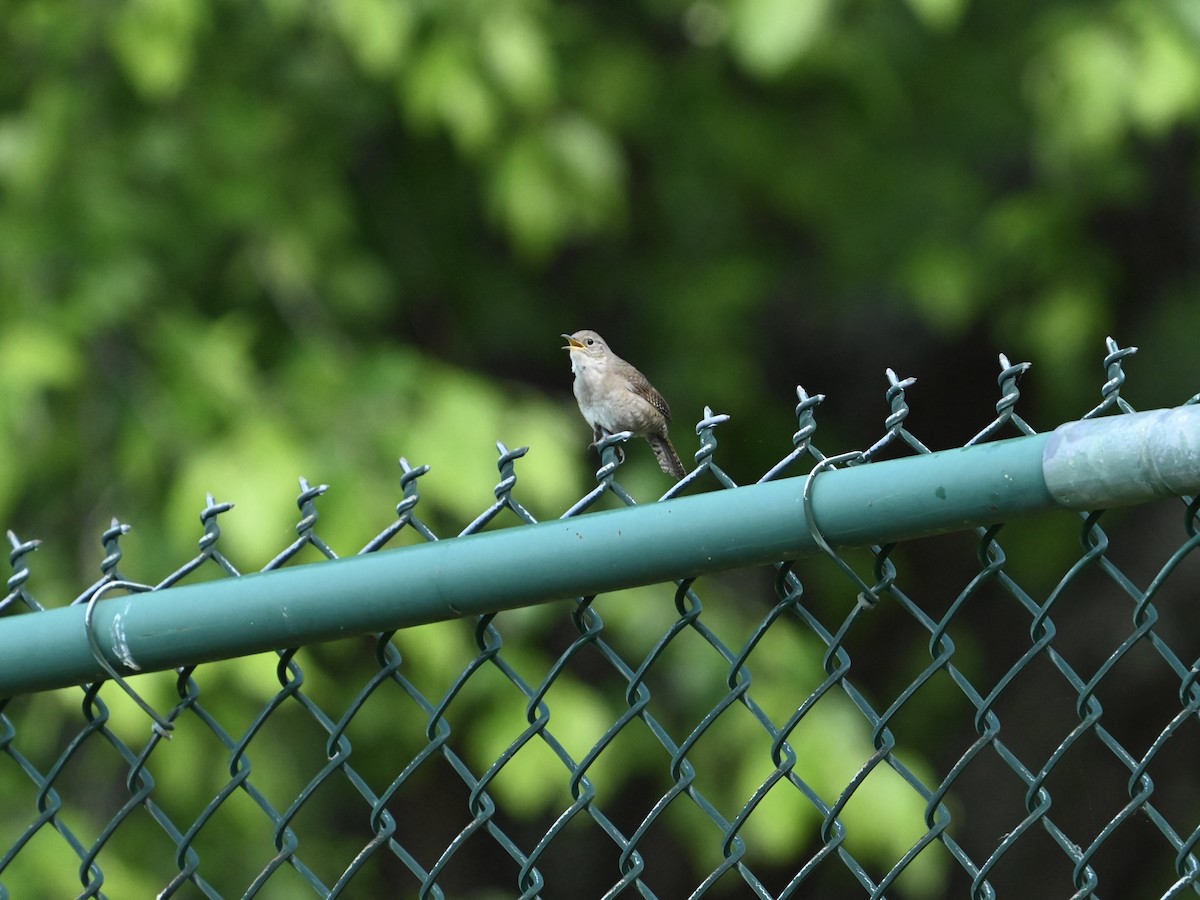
243,242
246,242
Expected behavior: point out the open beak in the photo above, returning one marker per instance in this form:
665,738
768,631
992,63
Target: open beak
572,344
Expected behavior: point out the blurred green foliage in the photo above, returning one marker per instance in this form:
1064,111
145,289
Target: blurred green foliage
245,242
292,237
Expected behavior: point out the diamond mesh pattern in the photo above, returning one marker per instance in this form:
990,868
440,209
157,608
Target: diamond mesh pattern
811,731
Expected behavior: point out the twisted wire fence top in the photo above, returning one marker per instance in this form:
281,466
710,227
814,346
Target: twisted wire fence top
853,726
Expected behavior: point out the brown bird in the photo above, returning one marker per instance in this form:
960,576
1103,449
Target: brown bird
614,396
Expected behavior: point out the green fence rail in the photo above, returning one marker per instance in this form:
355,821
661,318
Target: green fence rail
832,728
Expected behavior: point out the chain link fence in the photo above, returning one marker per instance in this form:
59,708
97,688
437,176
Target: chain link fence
970,715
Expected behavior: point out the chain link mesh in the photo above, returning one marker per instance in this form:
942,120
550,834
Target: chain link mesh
830,727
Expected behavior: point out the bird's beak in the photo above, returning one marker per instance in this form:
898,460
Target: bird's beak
572,344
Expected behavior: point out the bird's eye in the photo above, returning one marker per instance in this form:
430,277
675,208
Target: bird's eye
590,342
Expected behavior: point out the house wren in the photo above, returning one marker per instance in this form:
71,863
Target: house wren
614,396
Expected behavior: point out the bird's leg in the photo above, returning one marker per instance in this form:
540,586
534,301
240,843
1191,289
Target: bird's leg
599,434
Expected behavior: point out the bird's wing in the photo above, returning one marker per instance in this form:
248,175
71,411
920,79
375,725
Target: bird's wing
644,389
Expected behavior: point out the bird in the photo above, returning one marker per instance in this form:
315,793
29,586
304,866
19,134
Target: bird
614,396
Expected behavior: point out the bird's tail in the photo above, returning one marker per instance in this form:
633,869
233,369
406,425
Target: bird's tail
667,458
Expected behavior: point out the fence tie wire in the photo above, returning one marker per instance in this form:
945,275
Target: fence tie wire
162,727
867,596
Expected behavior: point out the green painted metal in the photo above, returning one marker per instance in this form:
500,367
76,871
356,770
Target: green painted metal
858,505
604,551
415,729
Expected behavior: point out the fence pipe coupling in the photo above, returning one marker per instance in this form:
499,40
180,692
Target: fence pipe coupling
1122,460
